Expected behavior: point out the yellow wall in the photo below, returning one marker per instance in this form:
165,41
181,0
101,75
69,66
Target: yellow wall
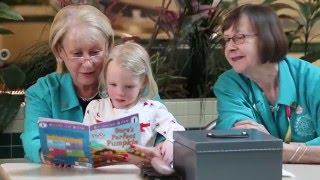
26,33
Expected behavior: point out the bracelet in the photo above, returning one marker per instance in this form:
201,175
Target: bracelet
305,150
295,153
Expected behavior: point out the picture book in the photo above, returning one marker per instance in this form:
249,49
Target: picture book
74,143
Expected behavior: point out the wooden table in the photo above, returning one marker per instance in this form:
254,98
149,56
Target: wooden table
303,171
31,171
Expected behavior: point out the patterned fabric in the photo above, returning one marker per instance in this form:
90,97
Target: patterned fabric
153,116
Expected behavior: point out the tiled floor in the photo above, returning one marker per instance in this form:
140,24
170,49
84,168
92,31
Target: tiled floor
11,146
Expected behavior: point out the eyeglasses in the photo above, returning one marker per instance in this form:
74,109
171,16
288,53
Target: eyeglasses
237,39
94,57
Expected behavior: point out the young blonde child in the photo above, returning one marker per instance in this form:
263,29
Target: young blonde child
128,81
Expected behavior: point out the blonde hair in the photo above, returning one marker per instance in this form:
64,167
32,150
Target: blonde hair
72,15
135,58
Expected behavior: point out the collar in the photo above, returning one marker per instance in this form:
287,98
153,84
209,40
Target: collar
287,88
68,97
287,93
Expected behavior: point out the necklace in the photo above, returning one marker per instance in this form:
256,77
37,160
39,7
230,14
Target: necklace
89,98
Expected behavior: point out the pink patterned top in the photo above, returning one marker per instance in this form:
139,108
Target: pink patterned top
153,116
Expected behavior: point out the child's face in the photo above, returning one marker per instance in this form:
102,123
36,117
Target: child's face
123,86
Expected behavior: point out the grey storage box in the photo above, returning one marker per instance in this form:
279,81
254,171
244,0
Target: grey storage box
232,155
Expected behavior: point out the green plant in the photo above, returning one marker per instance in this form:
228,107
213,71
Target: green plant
35,63
305,14
170,86
7,14
16,77
192,31
8,103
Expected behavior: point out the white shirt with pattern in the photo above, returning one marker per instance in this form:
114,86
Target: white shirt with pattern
153,116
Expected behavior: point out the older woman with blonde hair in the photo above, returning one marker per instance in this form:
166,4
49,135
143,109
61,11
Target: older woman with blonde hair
81,38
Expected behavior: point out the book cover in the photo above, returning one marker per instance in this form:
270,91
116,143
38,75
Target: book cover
74,143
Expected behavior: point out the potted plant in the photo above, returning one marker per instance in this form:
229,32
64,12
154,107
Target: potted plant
303,16
10,76
16,77
193,50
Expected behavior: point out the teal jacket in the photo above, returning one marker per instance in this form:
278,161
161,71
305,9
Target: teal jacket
53,96
240,98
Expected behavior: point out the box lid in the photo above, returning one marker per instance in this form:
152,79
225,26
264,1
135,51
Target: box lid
198,140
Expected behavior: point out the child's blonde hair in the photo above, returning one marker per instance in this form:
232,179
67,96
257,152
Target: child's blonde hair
135,58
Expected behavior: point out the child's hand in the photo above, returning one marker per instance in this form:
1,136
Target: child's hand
151,156
141,155
161,167
109,157
166,150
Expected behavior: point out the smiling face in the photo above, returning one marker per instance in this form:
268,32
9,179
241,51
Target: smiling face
242,57
123,86
83,55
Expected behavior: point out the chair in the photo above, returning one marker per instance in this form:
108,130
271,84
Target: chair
210,125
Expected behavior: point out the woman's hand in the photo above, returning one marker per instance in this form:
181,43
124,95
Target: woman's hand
288,151
166,150
250,124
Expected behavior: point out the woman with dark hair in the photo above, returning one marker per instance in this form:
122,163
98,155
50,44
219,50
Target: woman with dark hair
267,90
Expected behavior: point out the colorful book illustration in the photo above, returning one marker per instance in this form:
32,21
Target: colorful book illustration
74,143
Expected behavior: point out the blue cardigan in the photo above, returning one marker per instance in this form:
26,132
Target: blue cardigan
53,96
